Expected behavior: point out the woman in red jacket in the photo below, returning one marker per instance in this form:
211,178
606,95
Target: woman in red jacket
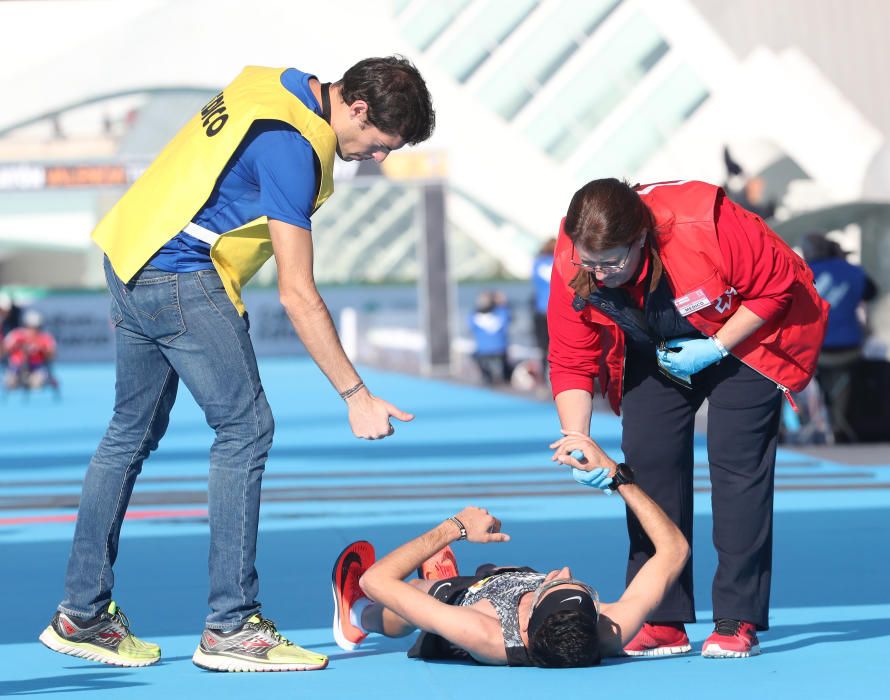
670,294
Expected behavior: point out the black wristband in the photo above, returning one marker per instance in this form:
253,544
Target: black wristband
623,475
460,527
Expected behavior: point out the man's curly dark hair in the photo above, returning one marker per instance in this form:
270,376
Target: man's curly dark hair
398,100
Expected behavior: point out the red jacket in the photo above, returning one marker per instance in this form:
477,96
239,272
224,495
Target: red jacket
717,257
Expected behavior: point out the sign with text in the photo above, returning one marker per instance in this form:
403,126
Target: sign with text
42,176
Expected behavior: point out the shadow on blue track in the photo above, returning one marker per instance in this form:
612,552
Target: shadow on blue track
374,646
172,659
108,679
827,632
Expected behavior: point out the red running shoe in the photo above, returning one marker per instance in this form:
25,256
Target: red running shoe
441,565
659,640
350,565
731,639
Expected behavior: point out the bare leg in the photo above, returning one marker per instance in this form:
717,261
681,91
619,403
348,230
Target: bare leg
381,620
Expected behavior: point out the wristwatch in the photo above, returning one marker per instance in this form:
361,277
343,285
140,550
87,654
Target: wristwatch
623,475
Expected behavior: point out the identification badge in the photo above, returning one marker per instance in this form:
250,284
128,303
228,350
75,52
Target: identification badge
692,302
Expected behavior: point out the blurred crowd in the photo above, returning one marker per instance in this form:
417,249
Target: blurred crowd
27,350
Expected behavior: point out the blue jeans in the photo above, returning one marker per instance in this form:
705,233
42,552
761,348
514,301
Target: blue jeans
170,326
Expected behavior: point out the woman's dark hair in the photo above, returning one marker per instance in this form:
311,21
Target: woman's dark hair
607,213
566,639
397,97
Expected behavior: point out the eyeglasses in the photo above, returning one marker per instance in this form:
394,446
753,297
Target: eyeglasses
544,587
607,266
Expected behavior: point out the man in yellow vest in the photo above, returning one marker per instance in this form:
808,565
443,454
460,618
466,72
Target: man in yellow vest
235,186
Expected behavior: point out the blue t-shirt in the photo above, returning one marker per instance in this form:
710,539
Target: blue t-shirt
273,173
541,269
490,330
842,285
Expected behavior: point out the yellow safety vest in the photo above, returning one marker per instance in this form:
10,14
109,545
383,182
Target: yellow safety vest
162,202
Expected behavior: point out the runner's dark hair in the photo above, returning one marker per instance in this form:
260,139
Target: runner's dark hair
566,639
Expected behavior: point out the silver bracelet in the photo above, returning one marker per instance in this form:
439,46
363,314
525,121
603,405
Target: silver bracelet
353,390
720,346
460,526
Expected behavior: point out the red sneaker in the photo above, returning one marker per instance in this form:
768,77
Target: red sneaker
441,565
350,565
731,639
659,640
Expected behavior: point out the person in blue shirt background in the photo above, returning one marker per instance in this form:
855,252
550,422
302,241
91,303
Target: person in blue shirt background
490,325
542,266
845,287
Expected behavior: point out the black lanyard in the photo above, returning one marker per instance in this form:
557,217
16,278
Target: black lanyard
326,102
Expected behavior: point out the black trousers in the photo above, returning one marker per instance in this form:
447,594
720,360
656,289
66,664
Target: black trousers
834,373
495,369
657,440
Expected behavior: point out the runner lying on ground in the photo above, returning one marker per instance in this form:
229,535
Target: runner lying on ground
503,615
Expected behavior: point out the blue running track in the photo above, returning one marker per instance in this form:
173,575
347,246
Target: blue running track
830,623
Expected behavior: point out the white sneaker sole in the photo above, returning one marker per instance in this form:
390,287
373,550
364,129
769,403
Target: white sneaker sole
342,642
661,651
715,651
53,641
237,664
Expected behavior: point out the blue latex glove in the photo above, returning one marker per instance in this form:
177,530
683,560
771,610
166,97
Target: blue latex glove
694,355
596,478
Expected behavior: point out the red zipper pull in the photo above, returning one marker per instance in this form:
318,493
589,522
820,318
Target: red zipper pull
790,399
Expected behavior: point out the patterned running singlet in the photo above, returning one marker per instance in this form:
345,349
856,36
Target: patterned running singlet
503,591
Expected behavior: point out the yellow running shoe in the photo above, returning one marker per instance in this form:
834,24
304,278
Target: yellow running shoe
255,646
108,639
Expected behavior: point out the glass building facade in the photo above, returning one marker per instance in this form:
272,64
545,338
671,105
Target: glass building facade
555,70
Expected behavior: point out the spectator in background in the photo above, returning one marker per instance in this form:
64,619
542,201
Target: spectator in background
29,350
541,268
752,197
844,286
490,325
747,192
10,314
